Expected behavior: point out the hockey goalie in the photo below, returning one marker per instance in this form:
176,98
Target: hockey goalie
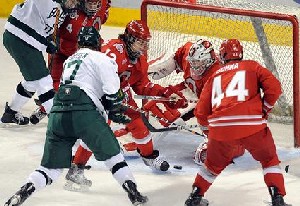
198,62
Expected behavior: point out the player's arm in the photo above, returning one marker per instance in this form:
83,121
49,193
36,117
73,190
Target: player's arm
113,95
162,68
204,106
271,88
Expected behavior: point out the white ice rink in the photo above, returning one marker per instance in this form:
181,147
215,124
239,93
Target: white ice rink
240,184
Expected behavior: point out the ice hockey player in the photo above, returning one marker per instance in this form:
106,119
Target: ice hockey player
235,112
129,51
90,13
89,76
27,34
198,62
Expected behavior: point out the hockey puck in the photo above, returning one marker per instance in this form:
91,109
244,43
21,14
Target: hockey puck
287,168
178,167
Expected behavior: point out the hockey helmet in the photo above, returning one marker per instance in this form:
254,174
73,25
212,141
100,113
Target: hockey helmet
68,4
231,49
89,37
91,7
201,56
136,37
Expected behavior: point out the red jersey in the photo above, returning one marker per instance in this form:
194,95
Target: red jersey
183,66
231,104
69,29
131,75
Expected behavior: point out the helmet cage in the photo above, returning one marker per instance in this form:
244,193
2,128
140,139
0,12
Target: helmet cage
89,37
136,38
201,56
91,7
68,5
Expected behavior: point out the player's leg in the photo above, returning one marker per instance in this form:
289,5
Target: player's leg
261,146
26,58
219,156
99,137
57,155
76,180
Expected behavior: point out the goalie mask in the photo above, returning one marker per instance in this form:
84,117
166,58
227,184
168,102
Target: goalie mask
231,49
201,56
90,7
136,38
89,37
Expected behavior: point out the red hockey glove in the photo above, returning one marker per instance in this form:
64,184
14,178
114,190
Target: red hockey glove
179,100
161,110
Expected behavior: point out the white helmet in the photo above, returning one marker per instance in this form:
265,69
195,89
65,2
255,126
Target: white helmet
201,56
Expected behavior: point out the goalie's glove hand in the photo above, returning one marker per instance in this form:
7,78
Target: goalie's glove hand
179,101
52,47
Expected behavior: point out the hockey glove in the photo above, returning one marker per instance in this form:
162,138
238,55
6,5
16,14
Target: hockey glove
118,117
179,100
113,104
51,48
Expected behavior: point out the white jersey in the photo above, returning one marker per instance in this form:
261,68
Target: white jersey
34,20
94,72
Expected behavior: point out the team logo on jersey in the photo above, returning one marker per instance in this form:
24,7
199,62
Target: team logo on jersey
119,48
68,90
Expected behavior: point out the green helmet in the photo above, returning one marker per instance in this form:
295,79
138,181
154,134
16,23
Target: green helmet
89,37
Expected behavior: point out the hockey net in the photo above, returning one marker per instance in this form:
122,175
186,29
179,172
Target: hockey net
269,34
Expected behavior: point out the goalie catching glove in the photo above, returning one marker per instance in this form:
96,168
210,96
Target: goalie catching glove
113,105
179,101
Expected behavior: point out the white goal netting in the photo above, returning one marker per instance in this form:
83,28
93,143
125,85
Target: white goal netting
269,34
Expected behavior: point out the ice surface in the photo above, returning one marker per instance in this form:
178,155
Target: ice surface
21,149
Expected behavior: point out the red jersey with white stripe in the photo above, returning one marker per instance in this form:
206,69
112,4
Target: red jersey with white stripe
183,66
231,104
74,21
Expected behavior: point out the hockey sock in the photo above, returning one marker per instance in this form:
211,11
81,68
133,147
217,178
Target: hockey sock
82,156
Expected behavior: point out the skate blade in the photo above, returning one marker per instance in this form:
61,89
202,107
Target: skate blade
204,202
73,187
141,203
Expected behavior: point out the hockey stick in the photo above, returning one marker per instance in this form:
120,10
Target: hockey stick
175,126
54,35
159,98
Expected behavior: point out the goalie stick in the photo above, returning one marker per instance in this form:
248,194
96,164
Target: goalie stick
159,98
174,127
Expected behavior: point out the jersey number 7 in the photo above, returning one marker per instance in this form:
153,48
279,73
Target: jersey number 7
236,87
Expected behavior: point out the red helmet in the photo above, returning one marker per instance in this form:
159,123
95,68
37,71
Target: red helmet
91,7
231,49
138,29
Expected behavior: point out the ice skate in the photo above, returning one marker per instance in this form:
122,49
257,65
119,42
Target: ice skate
277,199
135,197
195,199
20,196
37,115
76,181
11,116
155,162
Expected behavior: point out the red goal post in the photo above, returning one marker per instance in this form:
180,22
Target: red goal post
269,34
